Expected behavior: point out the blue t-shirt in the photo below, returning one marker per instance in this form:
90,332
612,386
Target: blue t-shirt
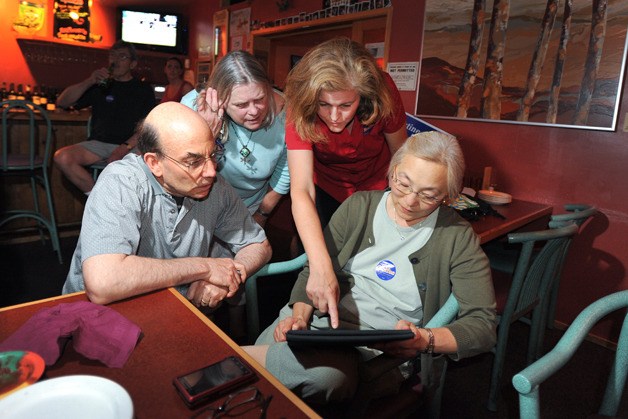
266,165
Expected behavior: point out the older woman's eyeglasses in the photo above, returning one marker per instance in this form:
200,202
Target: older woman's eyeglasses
249,399
195,166
407,190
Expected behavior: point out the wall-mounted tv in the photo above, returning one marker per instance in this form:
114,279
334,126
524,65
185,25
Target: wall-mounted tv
152,30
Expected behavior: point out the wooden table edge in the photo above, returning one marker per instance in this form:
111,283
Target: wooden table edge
30,303
241,352
494,233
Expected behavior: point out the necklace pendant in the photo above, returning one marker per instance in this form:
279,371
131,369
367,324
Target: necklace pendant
245,152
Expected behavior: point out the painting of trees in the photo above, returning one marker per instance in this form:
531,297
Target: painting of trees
538,61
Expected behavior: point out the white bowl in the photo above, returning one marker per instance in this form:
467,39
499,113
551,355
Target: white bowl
494,197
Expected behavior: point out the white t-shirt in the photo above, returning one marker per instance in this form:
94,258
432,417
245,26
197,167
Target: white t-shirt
385,288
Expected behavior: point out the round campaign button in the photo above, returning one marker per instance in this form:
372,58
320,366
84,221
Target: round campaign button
386,270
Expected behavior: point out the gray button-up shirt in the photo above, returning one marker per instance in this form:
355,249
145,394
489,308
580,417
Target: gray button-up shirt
129,212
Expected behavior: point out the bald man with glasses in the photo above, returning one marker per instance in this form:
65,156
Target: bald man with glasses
151,218
118,102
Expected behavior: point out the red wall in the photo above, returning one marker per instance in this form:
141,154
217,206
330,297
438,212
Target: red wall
14,68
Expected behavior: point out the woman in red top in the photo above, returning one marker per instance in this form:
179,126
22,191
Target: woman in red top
177,87
345,120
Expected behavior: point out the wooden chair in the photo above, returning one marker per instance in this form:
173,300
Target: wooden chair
527,382
528,293
29,161
432,372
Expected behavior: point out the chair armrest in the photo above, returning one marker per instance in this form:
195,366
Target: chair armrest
250,290
373,368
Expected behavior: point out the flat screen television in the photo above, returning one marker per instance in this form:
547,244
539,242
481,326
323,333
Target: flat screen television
152,30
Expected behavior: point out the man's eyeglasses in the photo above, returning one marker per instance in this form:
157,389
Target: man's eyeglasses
249,399
407,190
195,166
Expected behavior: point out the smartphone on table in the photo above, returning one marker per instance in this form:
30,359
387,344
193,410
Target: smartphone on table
218,379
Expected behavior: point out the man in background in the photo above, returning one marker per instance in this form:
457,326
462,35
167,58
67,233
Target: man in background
118,101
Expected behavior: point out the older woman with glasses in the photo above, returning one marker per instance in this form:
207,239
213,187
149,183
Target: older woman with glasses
398,254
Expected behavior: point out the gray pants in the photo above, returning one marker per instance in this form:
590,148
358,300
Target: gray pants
320,375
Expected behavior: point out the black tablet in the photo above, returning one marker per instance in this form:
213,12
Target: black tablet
339,337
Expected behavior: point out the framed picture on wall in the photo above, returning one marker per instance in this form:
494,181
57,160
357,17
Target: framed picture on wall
562,66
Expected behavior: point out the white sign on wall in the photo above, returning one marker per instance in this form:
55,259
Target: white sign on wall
404,75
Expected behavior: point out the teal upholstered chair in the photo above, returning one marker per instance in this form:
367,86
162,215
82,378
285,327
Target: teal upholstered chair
503,256
527,292
527,382
250,289
579,214
432,375
405,404
25,158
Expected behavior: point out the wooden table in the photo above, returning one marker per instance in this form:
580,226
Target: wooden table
176,338
518,214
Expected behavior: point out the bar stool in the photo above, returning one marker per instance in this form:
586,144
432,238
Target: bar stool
29,162
99,166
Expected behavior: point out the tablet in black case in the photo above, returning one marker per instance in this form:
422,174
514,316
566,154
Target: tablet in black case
339,337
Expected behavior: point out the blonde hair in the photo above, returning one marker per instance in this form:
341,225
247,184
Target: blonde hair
437,147
335,65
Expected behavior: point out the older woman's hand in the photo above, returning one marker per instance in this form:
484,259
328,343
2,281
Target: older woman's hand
289,323
211,109
406,349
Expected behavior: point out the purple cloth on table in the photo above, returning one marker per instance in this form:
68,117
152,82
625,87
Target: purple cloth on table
97,332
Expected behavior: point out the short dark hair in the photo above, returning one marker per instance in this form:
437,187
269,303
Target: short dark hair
177,59
126,45
147,139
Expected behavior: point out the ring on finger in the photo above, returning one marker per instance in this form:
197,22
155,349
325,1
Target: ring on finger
204,303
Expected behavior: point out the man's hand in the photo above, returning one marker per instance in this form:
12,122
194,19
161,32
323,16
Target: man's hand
204,294
226,273
324,292
99,74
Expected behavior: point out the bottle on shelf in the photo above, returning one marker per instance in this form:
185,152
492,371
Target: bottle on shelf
20,92
3,91
28,94
36,96
43,98
52,99
12,95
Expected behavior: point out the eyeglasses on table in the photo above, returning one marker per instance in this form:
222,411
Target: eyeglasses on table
246,400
